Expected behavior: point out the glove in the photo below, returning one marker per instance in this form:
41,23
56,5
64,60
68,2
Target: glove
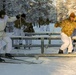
17,16
56,25
23,15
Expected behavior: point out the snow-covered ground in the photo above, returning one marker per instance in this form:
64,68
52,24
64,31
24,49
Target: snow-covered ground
49,66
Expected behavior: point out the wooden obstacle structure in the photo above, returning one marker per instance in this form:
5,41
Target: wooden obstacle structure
42,45
42,38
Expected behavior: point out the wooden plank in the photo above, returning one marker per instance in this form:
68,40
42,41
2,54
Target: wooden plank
43,33
36,37
43,55
46,55
57,55
37,45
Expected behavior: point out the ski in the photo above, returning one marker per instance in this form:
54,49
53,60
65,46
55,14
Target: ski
11,62
19,61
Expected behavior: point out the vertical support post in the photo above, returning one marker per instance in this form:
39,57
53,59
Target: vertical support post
12,41
49,39
75,45
42,45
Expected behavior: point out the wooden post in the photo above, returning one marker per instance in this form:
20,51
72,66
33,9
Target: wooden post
49,39
12,42
42,45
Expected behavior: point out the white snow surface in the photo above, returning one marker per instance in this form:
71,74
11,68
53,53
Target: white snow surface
49,66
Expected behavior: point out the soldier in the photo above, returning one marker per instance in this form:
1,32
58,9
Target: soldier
68,25
3,20
18,28
74,32
29,29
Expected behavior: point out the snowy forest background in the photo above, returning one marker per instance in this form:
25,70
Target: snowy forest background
54,10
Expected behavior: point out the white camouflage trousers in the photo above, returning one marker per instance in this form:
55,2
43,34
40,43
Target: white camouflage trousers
18,32
67,42
8,42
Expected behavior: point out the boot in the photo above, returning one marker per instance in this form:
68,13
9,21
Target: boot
69,52
2,60
72,50
8,55
20,43
16,47
60,51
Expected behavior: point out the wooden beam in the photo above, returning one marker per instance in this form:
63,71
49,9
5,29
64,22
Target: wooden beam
43,55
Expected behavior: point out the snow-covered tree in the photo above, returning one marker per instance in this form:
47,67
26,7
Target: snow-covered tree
71,6
62,10
1,4
32,8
